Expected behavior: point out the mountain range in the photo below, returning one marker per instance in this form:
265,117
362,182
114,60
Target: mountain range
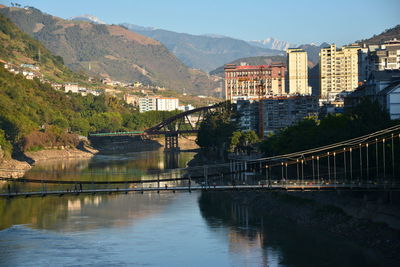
205,52
209,52
110,51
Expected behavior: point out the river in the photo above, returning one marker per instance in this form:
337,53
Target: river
166,229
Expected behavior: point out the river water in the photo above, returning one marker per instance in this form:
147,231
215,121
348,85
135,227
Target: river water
150,229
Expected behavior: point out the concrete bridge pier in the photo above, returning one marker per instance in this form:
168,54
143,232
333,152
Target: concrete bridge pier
171,142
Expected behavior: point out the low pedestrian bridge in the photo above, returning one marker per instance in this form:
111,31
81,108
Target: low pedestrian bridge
369,162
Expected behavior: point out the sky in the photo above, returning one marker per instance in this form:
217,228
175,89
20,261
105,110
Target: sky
294,21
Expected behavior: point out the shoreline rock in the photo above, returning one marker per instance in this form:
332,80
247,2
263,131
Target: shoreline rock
11,168
58,154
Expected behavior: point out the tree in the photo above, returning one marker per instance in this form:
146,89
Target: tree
216,130
243,141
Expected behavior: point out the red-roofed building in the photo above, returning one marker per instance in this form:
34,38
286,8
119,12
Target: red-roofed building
254,82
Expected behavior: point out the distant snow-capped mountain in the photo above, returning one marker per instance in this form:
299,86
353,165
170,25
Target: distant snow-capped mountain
272,43
88,18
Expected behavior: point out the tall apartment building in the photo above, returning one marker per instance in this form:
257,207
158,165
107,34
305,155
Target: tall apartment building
297,72
147,103
338,70
274,113
254,82
150,103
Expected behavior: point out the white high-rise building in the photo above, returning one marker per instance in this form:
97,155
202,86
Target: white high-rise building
158,103
167,103
297,68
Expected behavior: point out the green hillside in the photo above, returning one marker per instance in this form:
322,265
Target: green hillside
33,115
110,51
17,47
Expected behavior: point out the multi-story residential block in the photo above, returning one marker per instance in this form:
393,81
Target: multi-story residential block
275,113
158,103
254,82
338,70
167,103
388,57
297,72
378,57
147,104
248,111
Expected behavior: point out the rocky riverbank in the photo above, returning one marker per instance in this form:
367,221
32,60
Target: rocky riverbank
64,153
13,168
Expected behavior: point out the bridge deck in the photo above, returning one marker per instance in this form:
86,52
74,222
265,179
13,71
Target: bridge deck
287,188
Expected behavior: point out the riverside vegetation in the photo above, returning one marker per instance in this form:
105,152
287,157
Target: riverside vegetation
33,115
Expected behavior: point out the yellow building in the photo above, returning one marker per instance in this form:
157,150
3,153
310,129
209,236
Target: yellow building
297,71
338,70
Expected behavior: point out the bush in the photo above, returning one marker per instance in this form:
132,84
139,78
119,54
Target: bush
52,137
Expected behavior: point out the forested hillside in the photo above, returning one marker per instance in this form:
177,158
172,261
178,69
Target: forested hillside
18,47
29,107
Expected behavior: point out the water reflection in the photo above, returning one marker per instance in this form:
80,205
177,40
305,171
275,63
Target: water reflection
81,213
127,166
279,240
134,166
202,229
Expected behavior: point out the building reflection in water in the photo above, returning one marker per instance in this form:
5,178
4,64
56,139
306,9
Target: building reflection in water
278,241
77,213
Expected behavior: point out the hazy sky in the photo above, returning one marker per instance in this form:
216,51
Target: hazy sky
295,21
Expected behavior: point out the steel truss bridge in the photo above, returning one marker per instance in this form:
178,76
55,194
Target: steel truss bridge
187,122
370,162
